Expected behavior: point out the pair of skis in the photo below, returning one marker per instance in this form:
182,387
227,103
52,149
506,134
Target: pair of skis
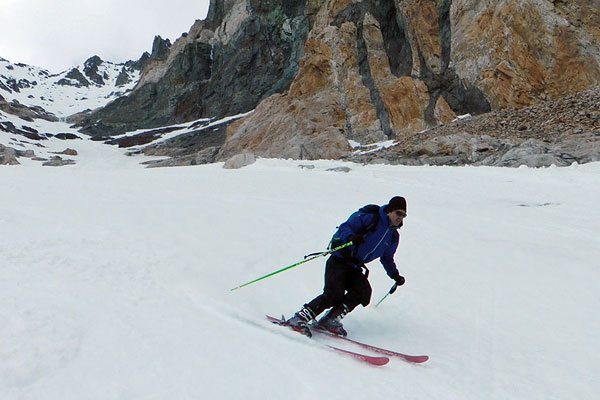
373,360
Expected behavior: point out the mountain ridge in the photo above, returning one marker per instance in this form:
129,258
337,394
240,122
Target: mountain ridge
324,79
365,71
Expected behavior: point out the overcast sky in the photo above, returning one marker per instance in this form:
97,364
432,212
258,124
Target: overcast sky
58,34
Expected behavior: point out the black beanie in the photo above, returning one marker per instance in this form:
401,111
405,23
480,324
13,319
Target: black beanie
396,203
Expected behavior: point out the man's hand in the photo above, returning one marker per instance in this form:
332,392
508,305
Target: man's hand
399,279
357,239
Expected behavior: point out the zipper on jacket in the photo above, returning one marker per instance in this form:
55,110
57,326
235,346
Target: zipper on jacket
377,245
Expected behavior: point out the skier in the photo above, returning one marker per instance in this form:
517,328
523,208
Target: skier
373,231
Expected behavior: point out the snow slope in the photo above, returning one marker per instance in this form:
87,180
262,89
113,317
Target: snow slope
38,87
115,281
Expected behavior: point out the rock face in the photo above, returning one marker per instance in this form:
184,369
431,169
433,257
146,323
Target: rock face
520,52
241,54
24,112
321,72
92,76
557,132
374,70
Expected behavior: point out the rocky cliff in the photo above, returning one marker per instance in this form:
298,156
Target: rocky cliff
322,72
241,54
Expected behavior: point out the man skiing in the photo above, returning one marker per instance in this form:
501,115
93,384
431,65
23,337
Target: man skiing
373,231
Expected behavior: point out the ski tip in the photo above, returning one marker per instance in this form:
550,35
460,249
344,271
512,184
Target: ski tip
275,320
383,361
378,361
416,359
373,360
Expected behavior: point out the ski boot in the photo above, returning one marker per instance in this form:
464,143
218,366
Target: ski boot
331,321
300,321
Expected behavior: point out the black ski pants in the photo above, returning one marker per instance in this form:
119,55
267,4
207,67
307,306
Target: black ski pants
345,283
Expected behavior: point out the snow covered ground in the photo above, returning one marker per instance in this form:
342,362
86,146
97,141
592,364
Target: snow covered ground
115,281
38,87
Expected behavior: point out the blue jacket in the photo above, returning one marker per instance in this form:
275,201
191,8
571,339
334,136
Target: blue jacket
380,242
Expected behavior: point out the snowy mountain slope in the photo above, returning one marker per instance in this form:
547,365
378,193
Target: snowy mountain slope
34,105
115,281
49,139
62,94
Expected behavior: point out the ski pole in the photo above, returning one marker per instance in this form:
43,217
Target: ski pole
392,290
293,265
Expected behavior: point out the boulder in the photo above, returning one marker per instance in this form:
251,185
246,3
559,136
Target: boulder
8,156
239,161
57,161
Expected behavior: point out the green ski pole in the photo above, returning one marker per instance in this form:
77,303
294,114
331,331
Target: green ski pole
293,265
392,290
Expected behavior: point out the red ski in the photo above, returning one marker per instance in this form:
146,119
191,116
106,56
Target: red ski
358,356
413,359
362,357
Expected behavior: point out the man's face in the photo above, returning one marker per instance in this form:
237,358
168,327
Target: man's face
396,217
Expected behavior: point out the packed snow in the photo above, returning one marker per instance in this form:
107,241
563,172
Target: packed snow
115,281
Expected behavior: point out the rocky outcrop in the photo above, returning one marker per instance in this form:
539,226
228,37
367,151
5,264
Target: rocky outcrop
245,51
74,78
199,146
58,161
465,149
419,63
322,73
123,78
27,113
90,75
90,69
558,132
349,86
520,52
8,155
239,161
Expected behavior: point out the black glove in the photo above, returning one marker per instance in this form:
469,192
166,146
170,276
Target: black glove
357,239
399,279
